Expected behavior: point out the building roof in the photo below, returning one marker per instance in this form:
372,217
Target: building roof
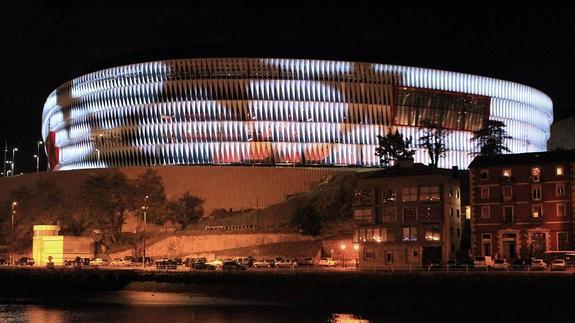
417,169
526,158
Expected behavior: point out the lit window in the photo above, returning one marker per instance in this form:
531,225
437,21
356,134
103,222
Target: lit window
561,209
388,195
506,172
429,193
432,234
363,215
537,211
535,174
559,170
388,215
410,234
507,193
485,214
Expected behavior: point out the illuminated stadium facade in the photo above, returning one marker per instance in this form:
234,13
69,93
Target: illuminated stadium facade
276,112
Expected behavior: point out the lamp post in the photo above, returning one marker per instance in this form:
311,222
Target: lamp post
14,204
356,248
145,208
38,155
342,255
14,150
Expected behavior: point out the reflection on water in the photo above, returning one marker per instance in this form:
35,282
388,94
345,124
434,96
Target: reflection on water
140,307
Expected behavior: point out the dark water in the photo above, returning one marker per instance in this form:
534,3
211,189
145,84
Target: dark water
139,307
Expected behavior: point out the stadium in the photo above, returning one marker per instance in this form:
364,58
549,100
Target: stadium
276,112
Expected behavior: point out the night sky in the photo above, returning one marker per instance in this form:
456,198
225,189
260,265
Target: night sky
43,45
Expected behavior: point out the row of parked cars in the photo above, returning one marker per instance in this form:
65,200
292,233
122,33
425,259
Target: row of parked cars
535,264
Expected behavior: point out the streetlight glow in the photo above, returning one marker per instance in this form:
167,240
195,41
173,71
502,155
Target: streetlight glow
14,150
37,156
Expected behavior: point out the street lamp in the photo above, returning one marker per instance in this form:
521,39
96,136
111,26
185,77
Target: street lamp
356,248
342,255
14,204
98,155
38,155
145,208
14,150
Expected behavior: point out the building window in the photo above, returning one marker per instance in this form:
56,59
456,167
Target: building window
457,193
388,195
486,244
409,194
409,214
450,191
536,192
537,211
562,241
506,173
560,189
363,215
389,258
507,193
559,170
389,215
451,232
561,209
508,214
427,212
484,174
369,254
451,212
432,234
409,233
458,213
458,232
535,174
485,192
485,214
363,197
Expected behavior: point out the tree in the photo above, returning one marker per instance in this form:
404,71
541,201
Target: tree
150,184
108,197
490,139
393,146
433,141
186,210
307,220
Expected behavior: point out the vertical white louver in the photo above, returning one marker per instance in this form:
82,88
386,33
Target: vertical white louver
264,111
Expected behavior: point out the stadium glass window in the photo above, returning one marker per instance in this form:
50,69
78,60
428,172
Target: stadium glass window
560,189
561,209
429,193
559,170
409,194
485,212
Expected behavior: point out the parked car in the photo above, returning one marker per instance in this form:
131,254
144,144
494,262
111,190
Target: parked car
137,261
202,265
325,261
500,264
287,263
232,265
98,262
267,263
305,262
558,264
25,261
538,264
119,263
483,262
218,263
